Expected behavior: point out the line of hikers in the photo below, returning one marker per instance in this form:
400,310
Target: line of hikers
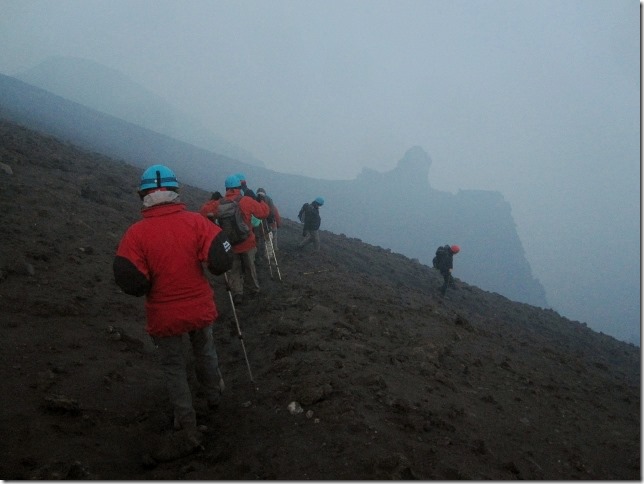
163,257
251,220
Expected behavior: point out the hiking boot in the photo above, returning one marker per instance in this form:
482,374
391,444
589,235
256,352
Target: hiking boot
186,424
213,402
179,444
238,299
213,397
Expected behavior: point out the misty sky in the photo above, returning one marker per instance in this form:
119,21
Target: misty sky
539,100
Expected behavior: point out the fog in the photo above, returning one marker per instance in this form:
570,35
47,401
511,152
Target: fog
539,100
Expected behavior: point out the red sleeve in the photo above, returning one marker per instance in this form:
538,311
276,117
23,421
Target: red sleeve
210,207
131,272
276,214
207,233
252,207
130,249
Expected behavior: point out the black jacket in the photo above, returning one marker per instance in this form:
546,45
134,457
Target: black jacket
444,258
310,215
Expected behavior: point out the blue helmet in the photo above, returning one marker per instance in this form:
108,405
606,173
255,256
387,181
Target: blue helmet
319,201
158,176
232,181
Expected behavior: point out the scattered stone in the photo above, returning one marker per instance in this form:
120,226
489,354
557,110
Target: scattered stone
61,403
6,168
294,408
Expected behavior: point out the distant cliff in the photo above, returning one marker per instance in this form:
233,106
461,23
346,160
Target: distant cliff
422,218
396,210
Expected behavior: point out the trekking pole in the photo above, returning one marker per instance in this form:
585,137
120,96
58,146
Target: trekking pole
268,257
270,250
239,333
222,385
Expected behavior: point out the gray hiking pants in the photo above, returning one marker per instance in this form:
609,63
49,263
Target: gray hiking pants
243,273
311,236
174,366
448,281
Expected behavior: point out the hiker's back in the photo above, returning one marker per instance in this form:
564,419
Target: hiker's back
231,221
302,215
441,259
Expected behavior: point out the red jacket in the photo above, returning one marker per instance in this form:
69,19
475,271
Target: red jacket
210,207
248,207
277,219
162,257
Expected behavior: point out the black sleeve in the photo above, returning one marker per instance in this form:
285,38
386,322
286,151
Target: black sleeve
220,254
129,278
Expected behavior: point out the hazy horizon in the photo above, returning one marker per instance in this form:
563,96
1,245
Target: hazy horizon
537,100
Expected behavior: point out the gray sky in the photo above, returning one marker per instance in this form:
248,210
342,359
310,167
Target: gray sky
539,100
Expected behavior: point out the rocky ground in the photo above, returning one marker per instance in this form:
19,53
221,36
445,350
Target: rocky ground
393,381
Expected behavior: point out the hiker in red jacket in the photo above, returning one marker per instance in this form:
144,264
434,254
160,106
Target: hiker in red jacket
162,257
271,224
209,209
243,271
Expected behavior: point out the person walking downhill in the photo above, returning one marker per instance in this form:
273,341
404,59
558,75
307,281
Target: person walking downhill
310,215
243,271
162,257
443,261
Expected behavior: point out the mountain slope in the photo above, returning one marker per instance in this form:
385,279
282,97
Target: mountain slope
481,222
111,92
395,381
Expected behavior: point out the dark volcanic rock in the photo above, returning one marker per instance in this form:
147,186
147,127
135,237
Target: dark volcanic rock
394,381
